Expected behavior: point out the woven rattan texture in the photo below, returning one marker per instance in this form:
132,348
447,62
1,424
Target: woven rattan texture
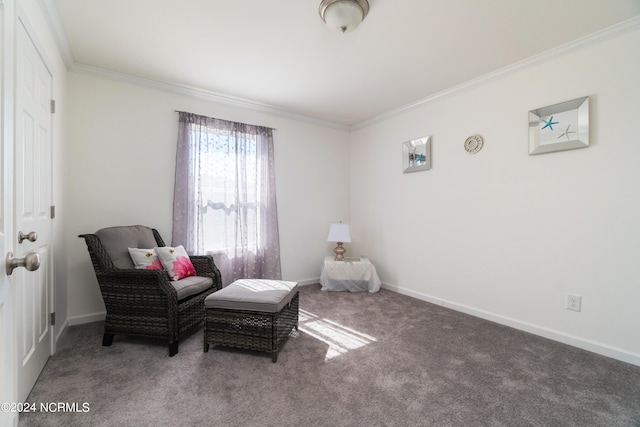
143,302
251,330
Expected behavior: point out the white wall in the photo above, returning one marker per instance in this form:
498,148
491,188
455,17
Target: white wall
121,154
505,235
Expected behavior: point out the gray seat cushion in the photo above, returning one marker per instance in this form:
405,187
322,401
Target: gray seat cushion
117,240
269,296
191,285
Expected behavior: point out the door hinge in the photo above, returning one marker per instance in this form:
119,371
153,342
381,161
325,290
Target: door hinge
53,106
53,212
53,318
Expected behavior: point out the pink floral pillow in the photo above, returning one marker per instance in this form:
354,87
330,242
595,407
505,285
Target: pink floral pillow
145,259
176,261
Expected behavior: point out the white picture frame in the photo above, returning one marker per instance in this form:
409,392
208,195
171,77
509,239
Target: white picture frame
416,155
563,126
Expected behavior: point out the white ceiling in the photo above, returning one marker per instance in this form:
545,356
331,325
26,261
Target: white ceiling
280,54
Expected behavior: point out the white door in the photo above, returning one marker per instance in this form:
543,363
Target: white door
7,380
8,417
7,347
32,195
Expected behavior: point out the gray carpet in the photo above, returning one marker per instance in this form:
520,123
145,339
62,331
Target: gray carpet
359,359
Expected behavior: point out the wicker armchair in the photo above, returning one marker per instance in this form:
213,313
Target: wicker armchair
146,302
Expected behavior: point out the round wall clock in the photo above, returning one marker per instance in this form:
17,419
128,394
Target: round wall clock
473,144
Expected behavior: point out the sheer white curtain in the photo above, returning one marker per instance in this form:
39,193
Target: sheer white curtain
224,200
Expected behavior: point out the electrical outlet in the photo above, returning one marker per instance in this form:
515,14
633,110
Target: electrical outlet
574,302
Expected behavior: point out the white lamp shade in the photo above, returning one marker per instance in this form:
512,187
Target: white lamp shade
343,16
339,232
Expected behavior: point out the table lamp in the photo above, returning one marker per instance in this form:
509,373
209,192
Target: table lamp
339,233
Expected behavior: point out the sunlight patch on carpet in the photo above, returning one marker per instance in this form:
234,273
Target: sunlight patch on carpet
341,339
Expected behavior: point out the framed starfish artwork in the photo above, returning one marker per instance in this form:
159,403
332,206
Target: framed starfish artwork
563,126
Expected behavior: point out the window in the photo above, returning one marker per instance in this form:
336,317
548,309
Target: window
224,198
230,183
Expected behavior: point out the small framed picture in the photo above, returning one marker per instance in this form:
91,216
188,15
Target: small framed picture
563,126
416,155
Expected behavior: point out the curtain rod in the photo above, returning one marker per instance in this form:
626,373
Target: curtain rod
215,118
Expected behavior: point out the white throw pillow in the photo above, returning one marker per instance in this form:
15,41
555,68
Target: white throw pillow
176,261
145,259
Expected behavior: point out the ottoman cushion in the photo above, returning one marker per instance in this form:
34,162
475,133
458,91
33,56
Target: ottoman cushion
269,296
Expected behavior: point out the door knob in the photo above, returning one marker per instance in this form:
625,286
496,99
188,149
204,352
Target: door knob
31,262
31,236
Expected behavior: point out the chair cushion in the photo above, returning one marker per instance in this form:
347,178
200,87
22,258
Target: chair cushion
269,296
117,240
191,285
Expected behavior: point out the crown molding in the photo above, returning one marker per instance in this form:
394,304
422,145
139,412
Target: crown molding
612,31
195,92
59,35
55,24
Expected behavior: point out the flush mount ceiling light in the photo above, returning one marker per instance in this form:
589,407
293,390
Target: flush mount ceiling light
343,16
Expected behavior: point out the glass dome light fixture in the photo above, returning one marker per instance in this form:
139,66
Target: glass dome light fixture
343,16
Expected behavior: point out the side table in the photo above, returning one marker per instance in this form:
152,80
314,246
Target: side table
352,274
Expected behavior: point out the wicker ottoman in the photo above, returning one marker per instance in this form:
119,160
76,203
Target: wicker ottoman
252,314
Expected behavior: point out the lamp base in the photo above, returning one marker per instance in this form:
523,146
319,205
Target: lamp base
339,251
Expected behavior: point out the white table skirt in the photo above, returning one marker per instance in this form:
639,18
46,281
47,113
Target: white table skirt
350,275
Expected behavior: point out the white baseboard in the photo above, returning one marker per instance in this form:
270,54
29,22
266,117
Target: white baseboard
585,344
60,330
87,318
306,282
